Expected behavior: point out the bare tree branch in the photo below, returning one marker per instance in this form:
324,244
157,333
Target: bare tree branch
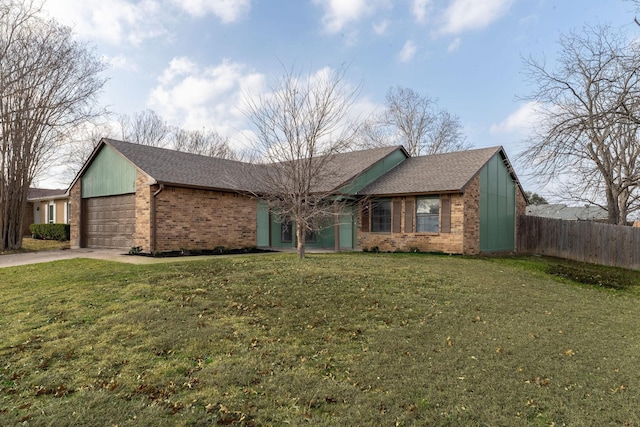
145,128
48,86
590,119
299,127
415,121
203,142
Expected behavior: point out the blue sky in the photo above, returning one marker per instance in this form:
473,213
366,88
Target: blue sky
192,60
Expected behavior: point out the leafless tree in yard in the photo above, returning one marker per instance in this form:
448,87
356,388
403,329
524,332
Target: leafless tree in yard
48,85
416,122
203,142
299,127
589,119
146,128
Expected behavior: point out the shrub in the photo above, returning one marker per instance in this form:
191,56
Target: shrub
60,232
135,250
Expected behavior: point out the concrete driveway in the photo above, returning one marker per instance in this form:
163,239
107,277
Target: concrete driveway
117,255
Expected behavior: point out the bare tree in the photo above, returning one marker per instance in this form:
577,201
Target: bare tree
299,127
146,128
415,121
590,115
48,85
203,142
637,3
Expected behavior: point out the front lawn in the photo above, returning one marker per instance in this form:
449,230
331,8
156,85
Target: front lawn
351,339
34,245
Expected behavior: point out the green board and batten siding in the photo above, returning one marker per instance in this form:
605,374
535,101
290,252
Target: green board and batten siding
263,225
375,172
497,207
109,174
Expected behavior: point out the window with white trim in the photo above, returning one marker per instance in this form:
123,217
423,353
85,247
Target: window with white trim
428,214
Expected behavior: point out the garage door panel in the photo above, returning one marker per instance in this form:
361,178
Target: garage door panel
110,221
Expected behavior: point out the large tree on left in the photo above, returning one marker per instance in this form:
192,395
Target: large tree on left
48,85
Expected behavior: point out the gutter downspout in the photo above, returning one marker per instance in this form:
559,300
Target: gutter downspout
153,245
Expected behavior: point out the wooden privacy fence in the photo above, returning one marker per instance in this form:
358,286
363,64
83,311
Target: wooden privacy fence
586,241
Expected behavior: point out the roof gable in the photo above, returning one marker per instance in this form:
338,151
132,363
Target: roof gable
185,169
435,173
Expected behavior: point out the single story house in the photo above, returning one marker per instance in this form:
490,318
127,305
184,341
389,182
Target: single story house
569,213
130,195
46,206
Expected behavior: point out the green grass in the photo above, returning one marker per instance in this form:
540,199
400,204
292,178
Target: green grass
32,245
352,339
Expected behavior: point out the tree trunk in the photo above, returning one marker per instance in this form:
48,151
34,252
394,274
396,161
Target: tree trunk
300,239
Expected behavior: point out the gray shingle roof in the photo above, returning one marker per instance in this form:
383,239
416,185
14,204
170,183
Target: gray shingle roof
343,168
434,173
562,211
45,193
179,168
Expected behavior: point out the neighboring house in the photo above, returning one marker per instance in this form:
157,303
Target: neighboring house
46,206
130,195
570,213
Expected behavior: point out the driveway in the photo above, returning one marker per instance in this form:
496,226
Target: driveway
117,255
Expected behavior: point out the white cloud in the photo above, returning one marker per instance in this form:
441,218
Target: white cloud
381,27
120,62
128,21
195,97
226,10
339,13
114,22
419,10
465,15
454,45
408,51
520,121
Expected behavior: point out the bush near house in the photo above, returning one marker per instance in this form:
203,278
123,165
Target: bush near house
60,232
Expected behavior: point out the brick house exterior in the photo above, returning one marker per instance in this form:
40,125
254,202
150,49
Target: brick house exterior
167,216
129,195
454,183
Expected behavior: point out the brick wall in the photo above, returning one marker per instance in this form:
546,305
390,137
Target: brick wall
76,200
143,229
408,240
471,244
203,219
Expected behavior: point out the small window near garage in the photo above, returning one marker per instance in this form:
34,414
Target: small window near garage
381,216
427,214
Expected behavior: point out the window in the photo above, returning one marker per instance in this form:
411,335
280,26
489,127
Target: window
427,214
287,233
381,216
52,213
